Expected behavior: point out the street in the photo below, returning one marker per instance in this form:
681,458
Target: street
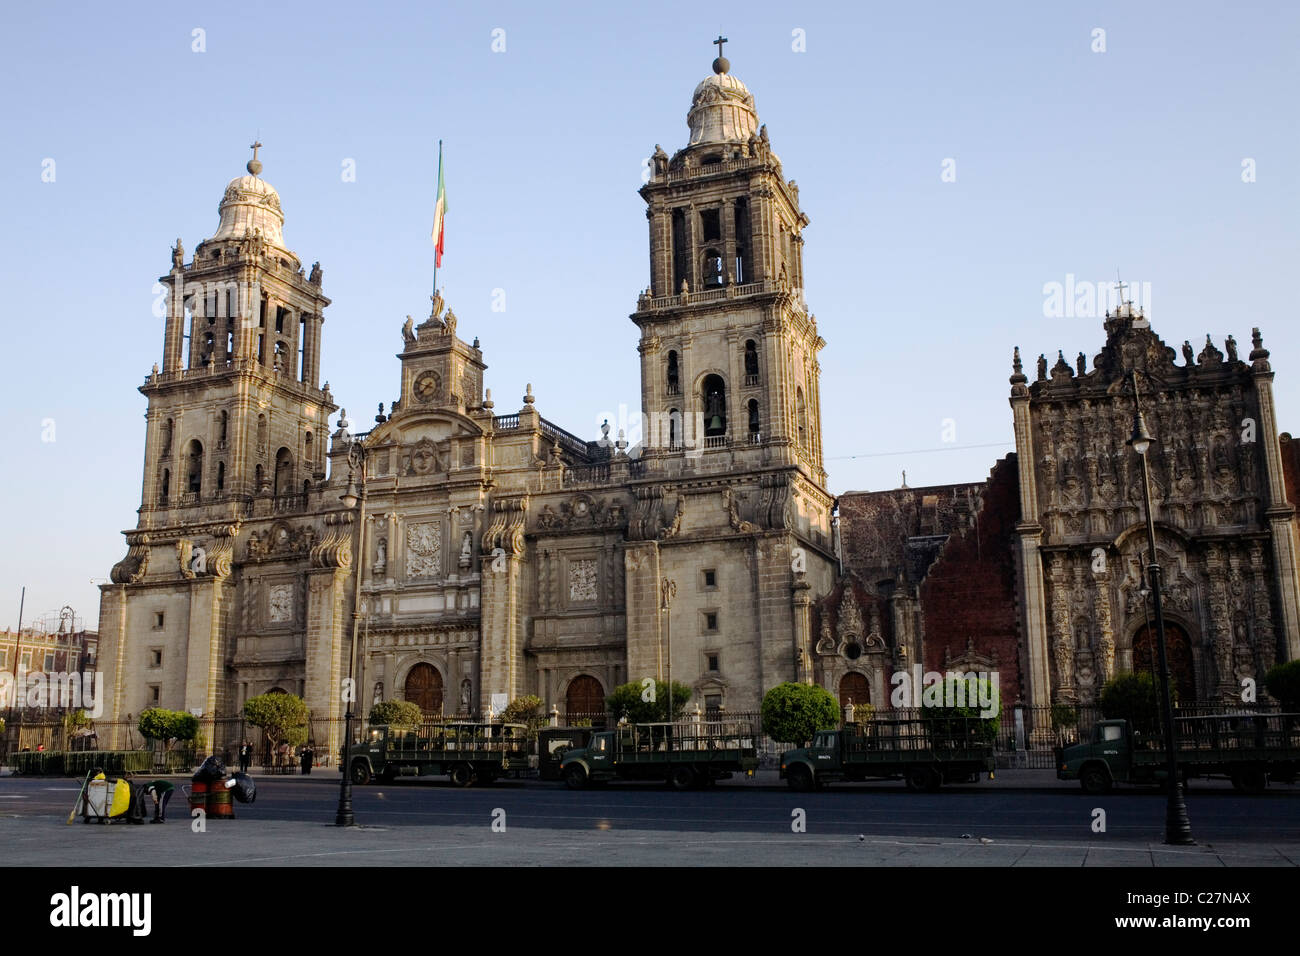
1021,817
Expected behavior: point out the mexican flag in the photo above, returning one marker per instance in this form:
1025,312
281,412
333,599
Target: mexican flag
439,212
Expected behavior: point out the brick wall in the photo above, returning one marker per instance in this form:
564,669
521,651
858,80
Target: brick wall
969,593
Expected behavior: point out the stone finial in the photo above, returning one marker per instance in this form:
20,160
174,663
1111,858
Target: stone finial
604,434
529,398
686,288
1258,354
379,418
487,399
1016,365
255,165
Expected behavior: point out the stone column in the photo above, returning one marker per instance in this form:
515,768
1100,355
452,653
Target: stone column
1279,513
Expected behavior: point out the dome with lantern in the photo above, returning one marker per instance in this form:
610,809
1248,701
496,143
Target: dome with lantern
251,206
722,109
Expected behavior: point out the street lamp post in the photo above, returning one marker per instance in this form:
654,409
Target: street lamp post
352,498
668,591
1178,828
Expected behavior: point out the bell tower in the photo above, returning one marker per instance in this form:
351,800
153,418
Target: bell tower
235,413
728,347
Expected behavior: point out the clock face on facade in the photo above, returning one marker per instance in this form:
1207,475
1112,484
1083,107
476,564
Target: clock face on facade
426,386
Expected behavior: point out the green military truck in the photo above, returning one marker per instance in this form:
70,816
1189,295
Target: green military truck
1248,749
685,754
468,753
924,752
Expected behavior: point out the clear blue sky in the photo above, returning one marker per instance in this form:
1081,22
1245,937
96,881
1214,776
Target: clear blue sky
1067,162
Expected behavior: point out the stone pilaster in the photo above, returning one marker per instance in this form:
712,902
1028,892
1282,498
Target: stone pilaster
645,649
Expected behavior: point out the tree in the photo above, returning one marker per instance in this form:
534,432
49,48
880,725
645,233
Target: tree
523,710
159,723
1283,682
75,720
792,712
968,719
397,714
280,716
644,702
1134,697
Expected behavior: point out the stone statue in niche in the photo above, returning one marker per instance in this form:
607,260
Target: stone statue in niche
466,551
466,688
381,555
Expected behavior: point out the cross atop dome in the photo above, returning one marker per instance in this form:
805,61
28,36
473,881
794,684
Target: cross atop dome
255,164
721,64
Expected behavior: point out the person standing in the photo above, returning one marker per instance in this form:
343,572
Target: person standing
306,756
245,756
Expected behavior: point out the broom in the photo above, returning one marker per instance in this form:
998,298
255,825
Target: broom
84,783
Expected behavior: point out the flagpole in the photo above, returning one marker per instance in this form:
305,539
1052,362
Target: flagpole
435,251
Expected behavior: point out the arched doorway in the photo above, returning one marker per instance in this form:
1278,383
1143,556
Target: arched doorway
424,687
854,686
584,698
1146,658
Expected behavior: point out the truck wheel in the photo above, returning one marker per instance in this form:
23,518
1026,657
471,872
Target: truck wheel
921,778
800,778
1250,780
360,773
462,775
575,778
682,778
1095,780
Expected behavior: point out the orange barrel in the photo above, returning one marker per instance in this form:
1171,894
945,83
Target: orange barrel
221,806
199,796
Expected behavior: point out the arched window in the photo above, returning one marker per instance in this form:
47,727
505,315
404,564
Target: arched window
222,427
306,487
754,424
751,363
194,467
801,417
283,472
854,687
166,485
167,438
308,451
221,476
584,698
424,687
714,400
674,428
674,382
257,480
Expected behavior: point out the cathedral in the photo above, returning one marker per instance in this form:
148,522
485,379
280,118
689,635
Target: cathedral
482,556
497,554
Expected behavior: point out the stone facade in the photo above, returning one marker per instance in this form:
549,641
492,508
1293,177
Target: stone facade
502,554
1225,530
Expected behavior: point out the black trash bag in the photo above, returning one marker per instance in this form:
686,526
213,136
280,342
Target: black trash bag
211,771
244,790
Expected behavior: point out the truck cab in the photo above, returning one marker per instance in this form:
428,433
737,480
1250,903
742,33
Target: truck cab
1101,761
